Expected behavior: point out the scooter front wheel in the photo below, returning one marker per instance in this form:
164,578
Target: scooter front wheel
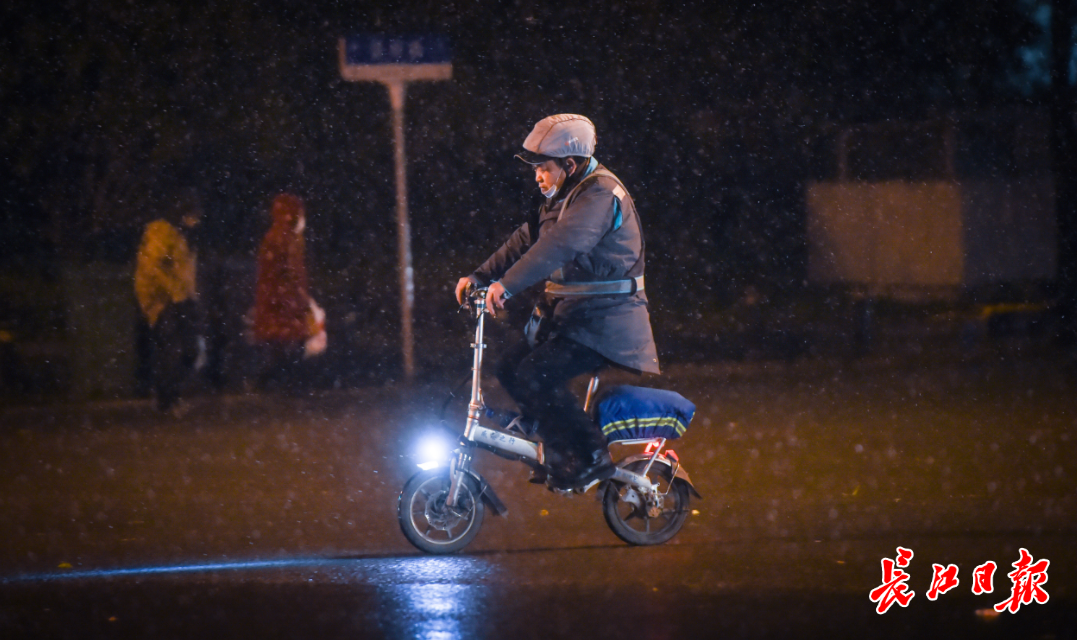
429,523
640,519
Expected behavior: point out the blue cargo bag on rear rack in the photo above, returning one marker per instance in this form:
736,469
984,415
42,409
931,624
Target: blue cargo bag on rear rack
634,413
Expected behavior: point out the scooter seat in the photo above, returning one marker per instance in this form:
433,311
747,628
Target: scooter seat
630,413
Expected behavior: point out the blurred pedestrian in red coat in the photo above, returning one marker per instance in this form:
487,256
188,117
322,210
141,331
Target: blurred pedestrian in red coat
284,315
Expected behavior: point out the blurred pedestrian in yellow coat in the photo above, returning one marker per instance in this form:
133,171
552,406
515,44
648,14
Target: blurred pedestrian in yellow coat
165,285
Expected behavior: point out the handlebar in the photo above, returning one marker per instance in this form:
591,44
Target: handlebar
472,297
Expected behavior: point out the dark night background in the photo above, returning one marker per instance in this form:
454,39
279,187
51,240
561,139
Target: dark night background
714,114
833,424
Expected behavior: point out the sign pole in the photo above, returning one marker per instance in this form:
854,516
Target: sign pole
397,93
394,61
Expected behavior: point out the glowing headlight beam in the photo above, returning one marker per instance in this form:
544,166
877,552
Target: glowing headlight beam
433,451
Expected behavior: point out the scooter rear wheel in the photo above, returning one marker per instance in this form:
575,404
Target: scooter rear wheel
641,521
431,525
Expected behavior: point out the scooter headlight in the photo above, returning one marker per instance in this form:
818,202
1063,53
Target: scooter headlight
433,451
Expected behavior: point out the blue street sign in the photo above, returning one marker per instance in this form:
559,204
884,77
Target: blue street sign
383,49
395,61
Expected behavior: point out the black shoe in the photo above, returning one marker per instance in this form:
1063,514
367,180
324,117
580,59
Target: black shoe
561,468
562,477
539,475
600,468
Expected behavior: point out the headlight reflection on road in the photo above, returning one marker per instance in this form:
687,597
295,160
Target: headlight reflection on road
439,596
434,569
438,609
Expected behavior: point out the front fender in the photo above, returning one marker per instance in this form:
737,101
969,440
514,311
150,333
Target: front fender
679,473
486,492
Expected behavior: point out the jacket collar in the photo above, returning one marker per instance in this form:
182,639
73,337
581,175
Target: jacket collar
571,183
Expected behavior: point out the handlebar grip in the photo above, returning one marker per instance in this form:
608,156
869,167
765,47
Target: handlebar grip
472,295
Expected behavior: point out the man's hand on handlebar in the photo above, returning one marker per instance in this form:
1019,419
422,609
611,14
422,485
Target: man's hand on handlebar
461,289
495,298
495,295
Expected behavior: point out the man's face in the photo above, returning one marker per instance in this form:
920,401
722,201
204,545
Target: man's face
549,174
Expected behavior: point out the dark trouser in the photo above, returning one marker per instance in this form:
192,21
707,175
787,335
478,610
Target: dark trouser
175,348
143,358
537,379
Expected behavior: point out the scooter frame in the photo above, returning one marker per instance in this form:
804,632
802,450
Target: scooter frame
516,447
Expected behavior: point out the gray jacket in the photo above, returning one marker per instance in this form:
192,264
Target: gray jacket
597,238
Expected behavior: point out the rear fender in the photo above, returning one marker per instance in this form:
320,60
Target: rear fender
679,473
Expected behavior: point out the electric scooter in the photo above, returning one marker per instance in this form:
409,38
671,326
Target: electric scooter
645,502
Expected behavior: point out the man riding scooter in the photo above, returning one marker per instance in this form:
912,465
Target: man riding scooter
586,242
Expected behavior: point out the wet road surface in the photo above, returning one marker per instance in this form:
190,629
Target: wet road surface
275,517
764,589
